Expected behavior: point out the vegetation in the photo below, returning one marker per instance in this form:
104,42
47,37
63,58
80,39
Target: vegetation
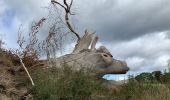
144,91
63,83
147,86
57,84
154,77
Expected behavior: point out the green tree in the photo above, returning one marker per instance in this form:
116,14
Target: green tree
157,75
144,77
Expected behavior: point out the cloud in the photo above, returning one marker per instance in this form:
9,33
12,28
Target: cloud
2,10
117,20
27,10
146,53
16,12
135,63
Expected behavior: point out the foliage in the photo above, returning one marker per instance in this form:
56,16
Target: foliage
56,84
146,86
165,78
157,75
154,77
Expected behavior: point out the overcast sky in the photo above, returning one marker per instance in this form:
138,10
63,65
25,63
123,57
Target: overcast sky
137,31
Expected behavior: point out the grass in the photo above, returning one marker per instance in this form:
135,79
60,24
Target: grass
57,84
144,91
65,84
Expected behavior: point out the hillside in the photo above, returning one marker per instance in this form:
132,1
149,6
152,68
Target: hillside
12,77
50,83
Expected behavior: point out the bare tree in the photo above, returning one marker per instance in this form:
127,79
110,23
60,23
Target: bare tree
67,8
82,42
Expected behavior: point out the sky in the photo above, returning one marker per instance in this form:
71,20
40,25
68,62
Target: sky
137,31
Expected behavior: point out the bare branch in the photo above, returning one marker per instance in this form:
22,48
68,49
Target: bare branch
26,70
65,2
70,5
67,12
70,27
53,2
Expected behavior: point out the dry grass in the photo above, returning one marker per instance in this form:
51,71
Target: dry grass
144,91
13,79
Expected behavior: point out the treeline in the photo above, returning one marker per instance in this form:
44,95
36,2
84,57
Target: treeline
152,77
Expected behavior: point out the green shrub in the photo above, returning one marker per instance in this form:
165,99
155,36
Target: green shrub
57,84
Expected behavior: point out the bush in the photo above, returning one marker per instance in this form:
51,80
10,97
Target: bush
57,84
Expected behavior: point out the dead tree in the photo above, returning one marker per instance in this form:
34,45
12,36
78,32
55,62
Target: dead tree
82,42
85,54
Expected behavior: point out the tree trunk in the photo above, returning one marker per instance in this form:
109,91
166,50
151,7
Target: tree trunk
84,42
